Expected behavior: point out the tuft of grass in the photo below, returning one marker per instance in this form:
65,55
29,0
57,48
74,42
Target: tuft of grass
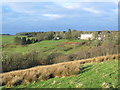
40,73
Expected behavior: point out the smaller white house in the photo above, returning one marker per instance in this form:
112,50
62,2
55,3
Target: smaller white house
86,36
99,38
79,37
56,38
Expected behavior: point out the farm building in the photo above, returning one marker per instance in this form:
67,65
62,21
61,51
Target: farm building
86,36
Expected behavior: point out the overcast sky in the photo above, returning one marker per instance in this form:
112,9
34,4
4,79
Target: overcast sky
55,16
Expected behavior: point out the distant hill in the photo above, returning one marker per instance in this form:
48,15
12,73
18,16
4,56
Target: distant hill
4,34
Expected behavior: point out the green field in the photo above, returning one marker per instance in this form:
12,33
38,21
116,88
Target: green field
44,47
93,75
7,39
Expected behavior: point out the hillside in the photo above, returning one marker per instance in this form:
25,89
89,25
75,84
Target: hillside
58,61
66,69
48,52
93,75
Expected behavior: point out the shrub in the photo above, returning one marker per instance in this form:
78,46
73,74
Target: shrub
15,81
67,49
62,58
18,40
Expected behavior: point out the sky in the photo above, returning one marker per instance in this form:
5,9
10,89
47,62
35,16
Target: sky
58,16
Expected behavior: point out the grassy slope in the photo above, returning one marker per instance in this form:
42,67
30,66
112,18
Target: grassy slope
94,75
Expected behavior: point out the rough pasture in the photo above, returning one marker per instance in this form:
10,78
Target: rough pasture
40,73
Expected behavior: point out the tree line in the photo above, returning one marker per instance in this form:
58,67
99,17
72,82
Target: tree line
70,34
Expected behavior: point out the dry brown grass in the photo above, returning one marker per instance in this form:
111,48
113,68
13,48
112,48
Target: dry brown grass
40,73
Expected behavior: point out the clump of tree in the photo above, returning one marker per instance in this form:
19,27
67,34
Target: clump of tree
68,34
45,36
24,40
16,61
